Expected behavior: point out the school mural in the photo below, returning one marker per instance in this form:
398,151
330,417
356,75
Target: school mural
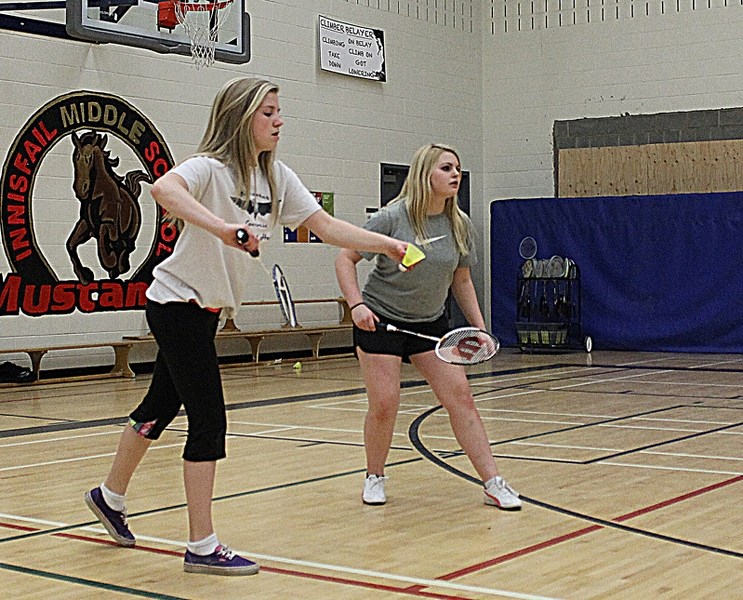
109,208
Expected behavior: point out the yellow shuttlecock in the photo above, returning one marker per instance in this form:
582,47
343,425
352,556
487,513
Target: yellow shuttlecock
413,255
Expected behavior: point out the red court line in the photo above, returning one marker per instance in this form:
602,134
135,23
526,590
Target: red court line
19,527
665,503
421,593
528,550
419,590
580,532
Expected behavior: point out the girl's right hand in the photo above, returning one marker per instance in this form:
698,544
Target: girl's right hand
396,250
239,236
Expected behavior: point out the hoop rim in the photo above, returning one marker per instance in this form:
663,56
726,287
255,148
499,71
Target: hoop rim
189,5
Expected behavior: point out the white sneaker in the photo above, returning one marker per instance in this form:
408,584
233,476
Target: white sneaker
499,493
374,490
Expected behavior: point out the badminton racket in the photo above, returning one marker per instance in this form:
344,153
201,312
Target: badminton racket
284,296
281,287
461,346
528,248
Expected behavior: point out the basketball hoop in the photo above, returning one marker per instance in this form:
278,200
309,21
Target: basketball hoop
201,20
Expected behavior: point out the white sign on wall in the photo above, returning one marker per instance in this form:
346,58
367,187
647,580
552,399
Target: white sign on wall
351,50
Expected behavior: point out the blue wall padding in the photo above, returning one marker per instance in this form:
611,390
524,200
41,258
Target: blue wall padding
658,273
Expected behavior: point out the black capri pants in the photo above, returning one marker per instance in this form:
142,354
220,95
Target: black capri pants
186,374
400,344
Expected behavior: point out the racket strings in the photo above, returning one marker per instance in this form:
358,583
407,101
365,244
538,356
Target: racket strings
467,346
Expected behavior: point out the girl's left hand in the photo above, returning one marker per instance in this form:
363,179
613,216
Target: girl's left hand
364,318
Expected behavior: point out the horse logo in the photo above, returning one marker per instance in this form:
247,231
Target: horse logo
109,207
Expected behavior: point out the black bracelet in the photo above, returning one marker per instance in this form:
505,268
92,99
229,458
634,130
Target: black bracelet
357,305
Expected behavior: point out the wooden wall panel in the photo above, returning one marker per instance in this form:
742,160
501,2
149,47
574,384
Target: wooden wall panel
677,168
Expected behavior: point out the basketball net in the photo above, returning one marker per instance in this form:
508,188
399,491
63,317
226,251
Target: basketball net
202,21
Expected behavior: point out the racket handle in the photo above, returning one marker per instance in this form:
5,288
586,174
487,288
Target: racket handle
382,326
242,239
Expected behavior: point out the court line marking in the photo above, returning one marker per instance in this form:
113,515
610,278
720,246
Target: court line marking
610,425
654,452
505,375
306,427
565,446
61,461
80,581
521,420
686,455
593,416
608,380
60,439
660,468
715,363
279,428
610,463
667,420
548,413
599,523
582,370
688,384
649,428
429,583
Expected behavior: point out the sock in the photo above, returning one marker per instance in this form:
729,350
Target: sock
114,500
204,547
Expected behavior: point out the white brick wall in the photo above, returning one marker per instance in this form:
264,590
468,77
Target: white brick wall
338,129
461,71
681,60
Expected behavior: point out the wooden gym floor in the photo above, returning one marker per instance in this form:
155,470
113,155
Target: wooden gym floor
630,467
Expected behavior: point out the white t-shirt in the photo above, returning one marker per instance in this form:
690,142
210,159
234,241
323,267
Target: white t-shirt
203,269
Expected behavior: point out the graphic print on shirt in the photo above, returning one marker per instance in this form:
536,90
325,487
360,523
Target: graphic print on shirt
258,209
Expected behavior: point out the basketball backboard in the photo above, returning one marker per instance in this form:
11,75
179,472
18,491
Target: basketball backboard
129,22
30,16
135,23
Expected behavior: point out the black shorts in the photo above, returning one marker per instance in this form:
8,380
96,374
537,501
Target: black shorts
400,344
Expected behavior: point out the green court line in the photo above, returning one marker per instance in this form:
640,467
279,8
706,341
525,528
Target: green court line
88,582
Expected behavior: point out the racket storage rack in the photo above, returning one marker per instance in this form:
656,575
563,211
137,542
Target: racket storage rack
548,313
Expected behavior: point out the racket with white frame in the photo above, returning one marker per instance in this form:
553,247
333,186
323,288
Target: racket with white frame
284,296
281,287
461,346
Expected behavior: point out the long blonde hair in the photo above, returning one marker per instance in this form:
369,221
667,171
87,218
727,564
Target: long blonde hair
416,192
229,137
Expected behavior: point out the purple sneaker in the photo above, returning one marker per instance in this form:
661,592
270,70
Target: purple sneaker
222,561
113,520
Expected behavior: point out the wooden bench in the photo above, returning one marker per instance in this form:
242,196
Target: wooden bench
344,317
256,337
120,367
314,332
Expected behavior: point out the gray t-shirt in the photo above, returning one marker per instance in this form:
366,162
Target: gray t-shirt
418,295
